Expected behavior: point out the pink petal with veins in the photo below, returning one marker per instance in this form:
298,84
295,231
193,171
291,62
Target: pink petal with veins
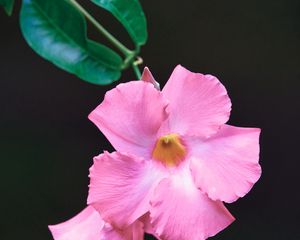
121,186
180,211
130,116
226,165
199,104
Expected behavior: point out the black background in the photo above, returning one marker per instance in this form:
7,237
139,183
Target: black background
47,142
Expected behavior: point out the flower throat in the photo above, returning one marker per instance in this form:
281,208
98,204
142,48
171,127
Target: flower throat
169,150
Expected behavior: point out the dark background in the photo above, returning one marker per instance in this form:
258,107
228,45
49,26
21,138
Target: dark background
47,142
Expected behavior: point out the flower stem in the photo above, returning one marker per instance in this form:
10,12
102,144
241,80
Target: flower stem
127,52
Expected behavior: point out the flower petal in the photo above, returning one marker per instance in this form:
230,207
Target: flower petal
148,77
226,165
137,229
180,211
147,225
133,232
130,116
199,103
121,186
87,225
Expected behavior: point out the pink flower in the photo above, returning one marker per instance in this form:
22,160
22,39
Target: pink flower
88,225
176,159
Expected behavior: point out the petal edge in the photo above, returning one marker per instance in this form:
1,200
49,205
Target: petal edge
87,225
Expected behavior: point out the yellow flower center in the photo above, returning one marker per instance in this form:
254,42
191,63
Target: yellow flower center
169,150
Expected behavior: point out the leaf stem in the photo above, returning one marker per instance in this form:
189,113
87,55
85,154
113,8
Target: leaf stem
135,66
137,71
127,52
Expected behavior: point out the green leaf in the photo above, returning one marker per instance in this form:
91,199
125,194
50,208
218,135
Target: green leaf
8,6
57,32
130,14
